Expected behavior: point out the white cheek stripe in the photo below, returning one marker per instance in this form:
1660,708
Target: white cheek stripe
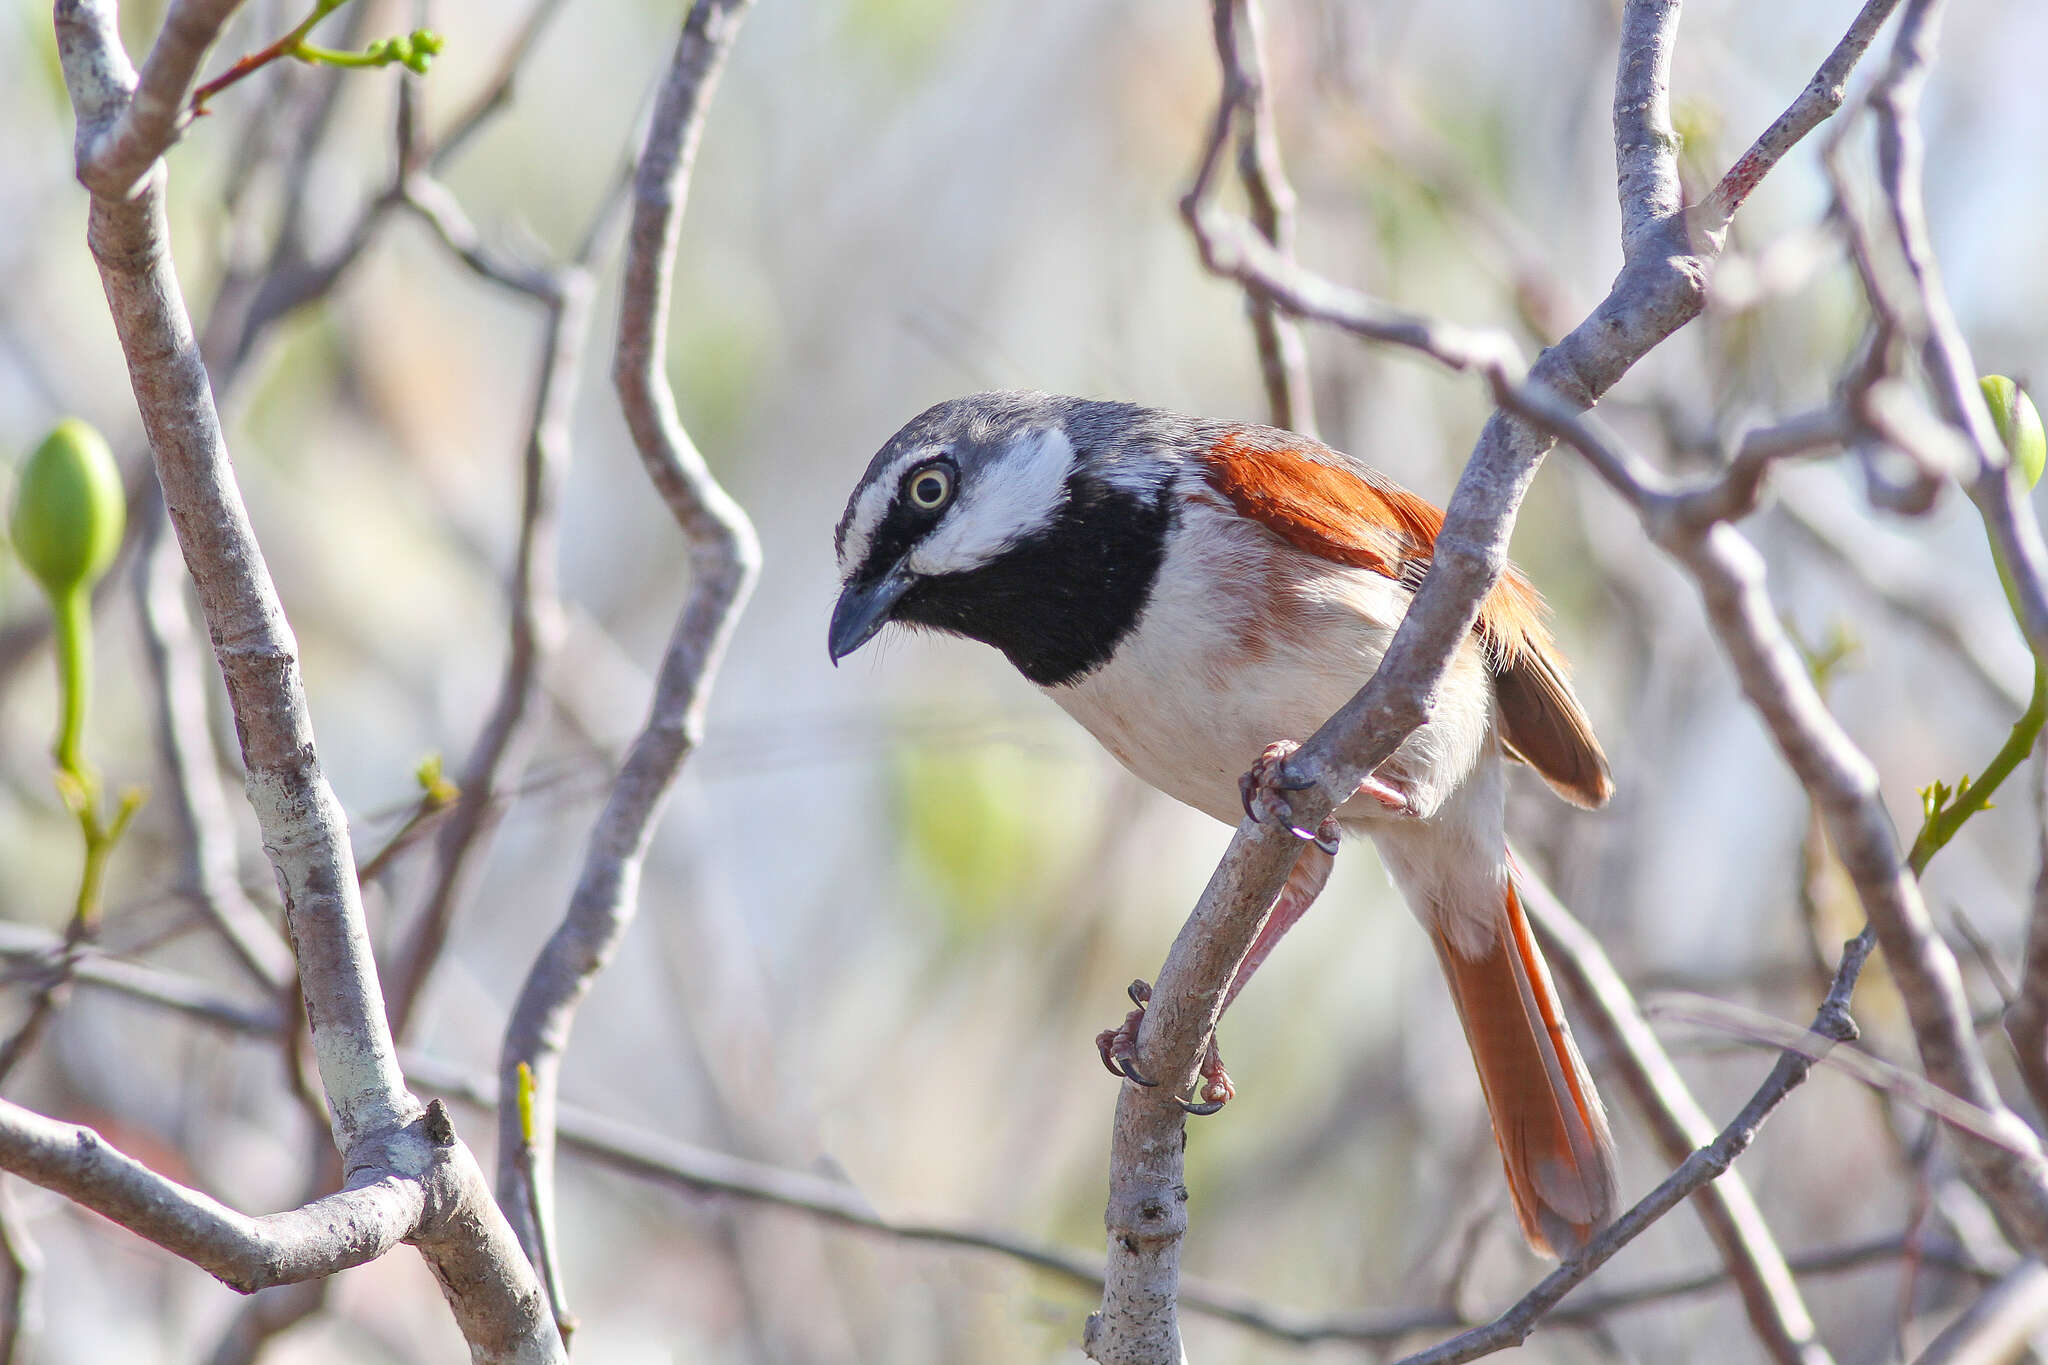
869,511
1014,495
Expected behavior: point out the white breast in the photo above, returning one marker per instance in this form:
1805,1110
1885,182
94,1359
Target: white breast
1247,640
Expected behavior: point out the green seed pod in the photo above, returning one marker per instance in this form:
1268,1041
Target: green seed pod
69,509
2019,425
68,515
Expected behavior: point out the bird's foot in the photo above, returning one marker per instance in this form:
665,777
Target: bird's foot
1264,790
1119,1049
1119,1045
1212,1083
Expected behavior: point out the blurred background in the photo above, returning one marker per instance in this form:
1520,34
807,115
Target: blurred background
891,905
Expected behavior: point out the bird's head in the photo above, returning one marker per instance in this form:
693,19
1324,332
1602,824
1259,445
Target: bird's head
1027,520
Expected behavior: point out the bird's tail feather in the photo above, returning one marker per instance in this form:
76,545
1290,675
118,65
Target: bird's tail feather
1552,1131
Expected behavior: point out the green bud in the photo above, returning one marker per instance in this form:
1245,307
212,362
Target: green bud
419,49
2019,425
69,509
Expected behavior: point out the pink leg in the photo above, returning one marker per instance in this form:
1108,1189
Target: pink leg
1119,1046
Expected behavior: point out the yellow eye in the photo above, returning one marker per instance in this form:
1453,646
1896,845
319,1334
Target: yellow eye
930,489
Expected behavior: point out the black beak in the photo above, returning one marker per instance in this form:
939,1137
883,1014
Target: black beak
864,608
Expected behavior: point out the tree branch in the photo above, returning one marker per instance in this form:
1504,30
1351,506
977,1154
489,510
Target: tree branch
349,1228
428,1188
724,562
1247,104
2012,1175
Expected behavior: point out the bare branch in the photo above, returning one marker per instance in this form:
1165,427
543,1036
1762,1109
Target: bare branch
1821,98
1901,149
724,561
499,755
1247,102
1777,1313
345,1229
167,989
428,1187
124,121
1513,1327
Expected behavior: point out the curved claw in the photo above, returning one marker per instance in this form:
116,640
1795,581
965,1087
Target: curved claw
1140,992
1130,1071
1200,1110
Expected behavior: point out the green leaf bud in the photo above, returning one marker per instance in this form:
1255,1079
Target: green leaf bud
2019,425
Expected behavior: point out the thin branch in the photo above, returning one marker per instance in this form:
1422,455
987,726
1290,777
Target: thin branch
1512,1327
1819,101
349,1228
724,560
125,121
170,990
698,1171
1777,1313
304,828
498,757
1247,103
1901,151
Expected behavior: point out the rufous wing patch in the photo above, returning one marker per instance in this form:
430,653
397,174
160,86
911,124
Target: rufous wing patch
1327,504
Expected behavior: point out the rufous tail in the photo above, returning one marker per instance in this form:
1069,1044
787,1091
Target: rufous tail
1552,1131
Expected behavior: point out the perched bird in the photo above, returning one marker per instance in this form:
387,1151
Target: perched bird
1199,595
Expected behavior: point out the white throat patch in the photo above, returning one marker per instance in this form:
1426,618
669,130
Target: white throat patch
999,504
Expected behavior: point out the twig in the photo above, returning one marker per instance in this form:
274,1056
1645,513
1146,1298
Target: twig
499,755
1901,151
170,990
1822,97
1777,1313
1762,1029
1512,1327
1247,104
724,557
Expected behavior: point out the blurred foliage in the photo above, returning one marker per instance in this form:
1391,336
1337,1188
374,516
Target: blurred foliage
993,828
907,36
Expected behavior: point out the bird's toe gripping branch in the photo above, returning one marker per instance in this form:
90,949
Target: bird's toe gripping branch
1119,1049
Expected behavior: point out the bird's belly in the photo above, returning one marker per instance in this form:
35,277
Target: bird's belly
1193,695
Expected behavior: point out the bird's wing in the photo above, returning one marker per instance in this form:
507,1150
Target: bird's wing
1328,504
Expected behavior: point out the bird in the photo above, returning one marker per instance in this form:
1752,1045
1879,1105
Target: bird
1199,595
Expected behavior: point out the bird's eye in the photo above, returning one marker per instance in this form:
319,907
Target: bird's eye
931,488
